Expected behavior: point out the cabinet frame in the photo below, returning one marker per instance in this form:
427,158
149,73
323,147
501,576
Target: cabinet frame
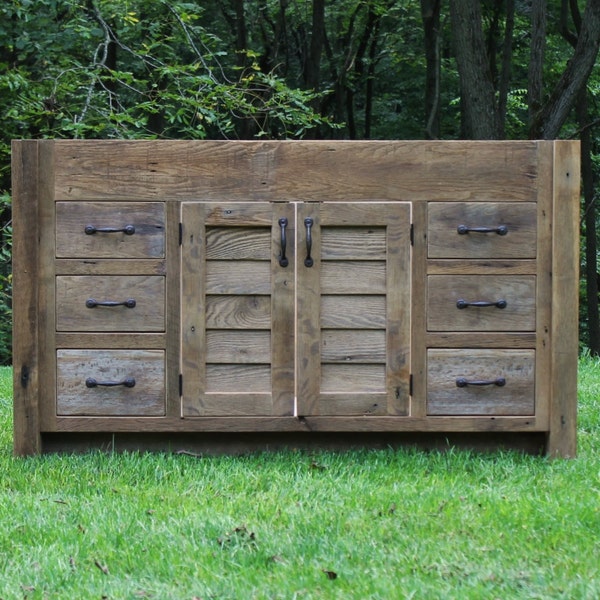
47,171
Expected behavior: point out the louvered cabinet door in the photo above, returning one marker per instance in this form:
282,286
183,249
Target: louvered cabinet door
237,309
353,290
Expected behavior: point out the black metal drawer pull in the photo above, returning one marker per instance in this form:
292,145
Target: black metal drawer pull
464,382
90,382
92,303
481,304
127,230
464,230
283,261
308,223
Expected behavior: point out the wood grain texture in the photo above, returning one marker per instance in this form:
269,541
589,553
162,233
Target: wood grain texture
444,291
362,329
239,423
25,175
238,343
46,288
341,361
147,241
146,397
286,171
73,293
446,242
445,397
562,438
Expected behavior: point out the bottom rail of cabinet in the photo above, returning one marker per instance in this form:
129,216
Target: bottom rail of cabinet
297,424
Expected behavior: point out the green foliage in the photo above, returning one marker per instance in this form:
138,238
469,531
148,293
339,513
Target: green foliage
5,281
364,524
205,70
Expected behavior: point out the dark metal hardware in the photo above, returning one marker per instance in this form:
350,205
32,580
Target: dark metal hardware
464,382
481,303
464,229
308,261
92,303
283,261
90,382
127,230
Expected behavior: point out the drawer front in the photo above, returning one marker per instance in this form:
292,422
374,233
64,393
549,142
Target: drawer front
110,303
452,230
110,230
455,381
136,382
481,303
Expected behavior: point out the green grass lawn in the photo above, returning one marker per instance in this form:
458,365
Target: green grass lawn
364,524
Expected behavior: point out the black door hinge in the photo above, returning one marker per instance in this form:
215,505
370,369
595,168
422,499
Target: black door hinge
410,385
412,234
180,385
180,234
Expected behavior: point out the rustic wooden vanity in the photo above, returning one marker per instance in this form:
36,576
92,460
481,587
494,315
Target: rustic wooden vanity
189,295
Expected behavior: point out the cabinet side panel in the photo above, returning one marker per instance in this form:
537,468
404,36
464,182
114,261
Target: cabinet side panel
565,277
27,438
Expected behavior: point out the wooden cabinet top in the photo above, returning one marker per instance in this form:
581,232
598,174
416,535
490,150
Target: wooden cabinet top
295,170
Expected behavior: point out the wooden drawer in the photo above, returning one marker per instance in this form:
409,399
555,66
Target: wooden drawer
455,382
110,303
131,230
459,303
515,222
139,373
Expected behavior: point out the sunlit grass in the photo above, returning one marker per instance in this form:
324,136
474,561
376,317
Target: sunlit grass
364,524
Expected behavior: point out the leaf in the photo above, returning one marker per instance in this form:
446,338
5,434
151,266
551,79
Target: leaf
330,574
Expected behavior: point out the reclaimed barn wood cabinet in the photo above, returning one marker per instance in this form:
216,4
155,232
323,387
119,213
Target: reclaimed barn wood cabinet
227,295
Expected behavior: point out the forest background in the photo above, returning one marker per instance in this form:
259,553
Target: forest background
317,69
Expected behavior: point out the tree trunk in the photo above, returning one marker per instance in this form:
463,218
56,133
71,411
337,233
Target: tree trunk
536,57
313,64
505,71
479,112
549,120
430,13
591,238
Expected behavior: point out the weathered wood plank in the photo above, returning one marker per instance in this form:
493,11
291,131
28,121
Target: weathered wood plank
268,171
445,291
353,277
238,379
240,424
238,312
353,379
238,346
73,294
562,438
349,346
283,315
398,313
25,177
353,312
446,367
145,397
239,278
146,241
445,241
353,243
482,267
193,308
247,243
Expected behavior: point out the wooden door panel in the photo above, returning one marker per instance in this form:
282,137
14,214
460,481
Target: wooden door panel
237,310
354,309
